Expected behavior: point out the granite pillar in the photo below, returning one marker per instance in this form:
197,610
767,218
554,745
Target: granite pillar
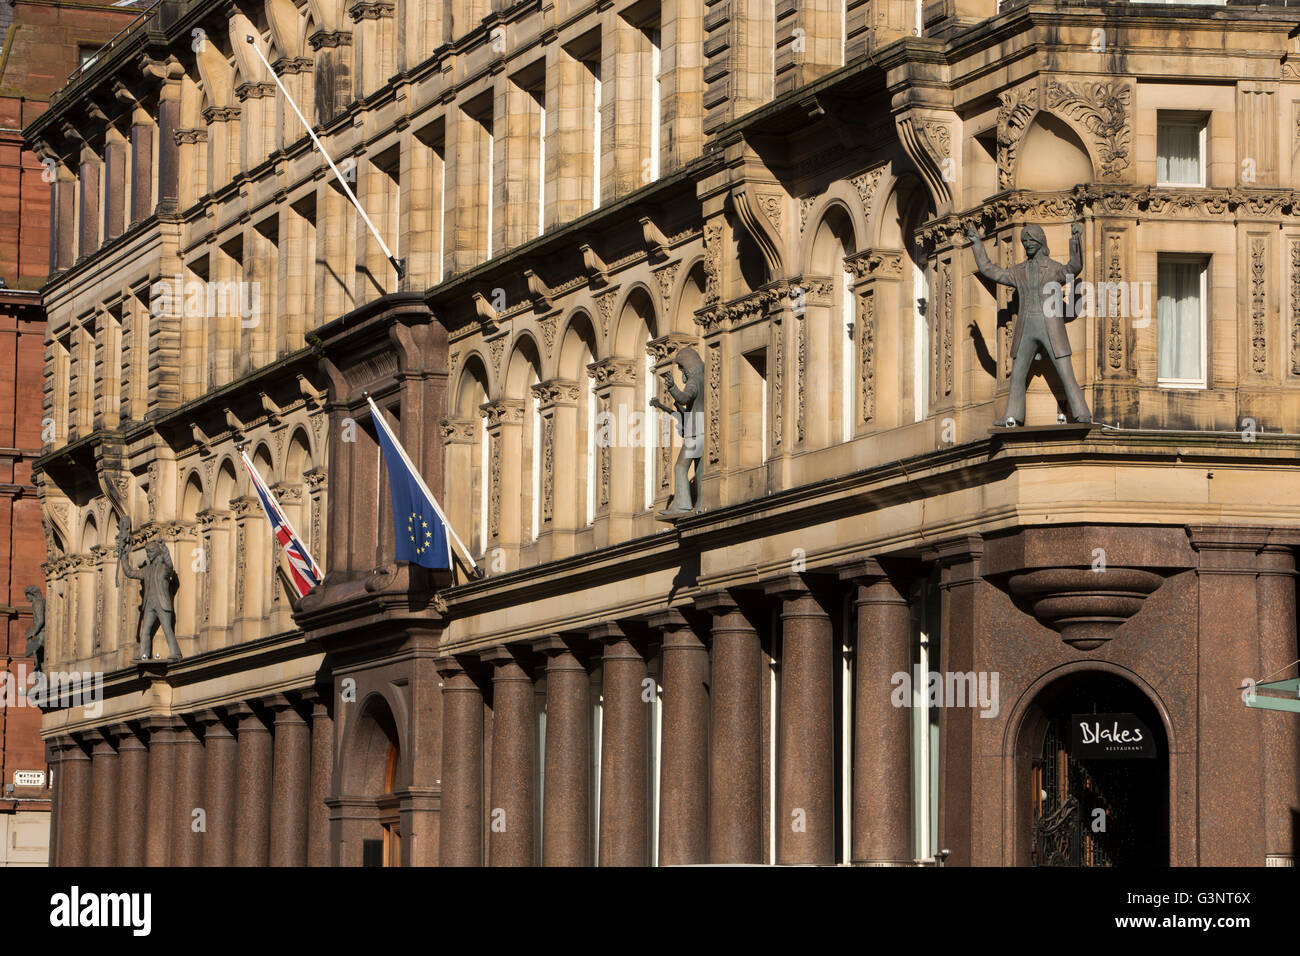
132,796
805,799
291,773
104,783
462,768
735,736
566,803
1230,765
219,762
188,827
1276,594
510,832
684,749
882,758
74,818
252,788
162,780
322,778
624,820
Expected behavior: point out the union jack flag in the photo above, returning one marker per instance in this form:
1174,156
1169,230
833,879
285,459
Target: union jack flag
303,571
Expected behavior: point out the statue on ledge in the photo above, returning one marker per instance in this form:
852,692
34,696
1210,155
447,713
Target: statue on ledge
1041,323
155,577
689,415
36,633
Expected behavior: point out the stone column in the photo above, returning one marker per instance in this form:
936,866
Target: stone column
558,405
103,809
1275,588
63,220
882,757
805,815
322,779
53,755
115,160
1230,764
292,769
566,803
510,836
505,420
252,788
91,170
462,767
142,171
220,757
684,752
187,842
624,823
735,722
616,500
74,816
162,780
132,796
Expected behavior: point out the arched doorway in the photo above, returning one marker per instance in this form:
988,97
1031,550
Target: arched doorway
1092,774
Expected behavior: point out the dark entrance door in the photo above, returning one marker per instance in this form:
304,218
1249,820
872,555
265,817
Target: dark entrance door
1098,806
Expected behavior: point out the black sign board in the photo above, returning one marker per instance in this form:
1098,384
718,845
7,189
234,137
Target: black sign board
1110,736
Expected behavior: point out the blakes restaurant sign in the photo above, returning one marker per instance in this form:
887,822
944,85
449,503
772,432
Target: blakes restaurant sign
1110,735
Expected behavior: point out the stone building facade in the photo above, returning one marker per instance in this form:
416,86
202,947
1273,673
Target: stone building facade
40,45
578,191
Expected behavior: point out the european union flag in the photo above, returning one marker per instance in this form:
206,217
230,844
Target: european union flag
420,532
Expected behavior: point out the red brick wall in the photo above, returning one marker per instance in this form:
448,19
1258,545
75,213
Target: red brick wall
41,50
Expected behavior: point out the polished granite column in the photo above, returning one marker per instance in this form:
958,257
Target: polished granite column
684,746
461,840
252,787
566,803
187,841
104,772
882,756
220,758
162,782
290,773
132,795
510,831
624,820
805,817
735,733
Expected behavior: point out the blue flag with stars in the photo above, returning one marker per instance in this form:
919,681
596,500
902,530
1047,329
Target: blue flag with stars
421,535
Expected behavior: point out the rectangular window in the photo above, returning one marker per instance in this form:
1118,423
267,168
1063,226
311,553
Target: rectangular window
1180,148
595,137
1181,322
753,418
655,102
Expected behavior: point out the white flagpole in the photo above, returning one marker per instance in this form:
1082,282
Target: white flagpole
452,537
398,264
252,470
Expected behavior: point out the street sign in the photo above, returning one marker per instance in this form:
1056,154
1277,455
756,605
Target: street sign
29,778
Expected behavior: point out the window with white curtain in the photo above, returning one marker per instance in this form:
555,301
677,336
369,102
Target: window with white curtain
1180,149
1181,321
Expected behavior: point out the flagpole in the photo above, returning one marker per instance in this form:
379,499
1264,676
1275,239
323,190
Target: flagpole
398,264
463,552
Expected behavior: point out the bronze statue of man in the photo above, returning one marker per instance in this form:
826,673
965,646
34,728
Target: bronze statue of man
36,633
689,415
1041,323
155,576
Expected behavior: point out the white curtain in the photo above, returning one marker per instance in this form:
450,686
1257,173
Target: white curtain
1178,153
1178,317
